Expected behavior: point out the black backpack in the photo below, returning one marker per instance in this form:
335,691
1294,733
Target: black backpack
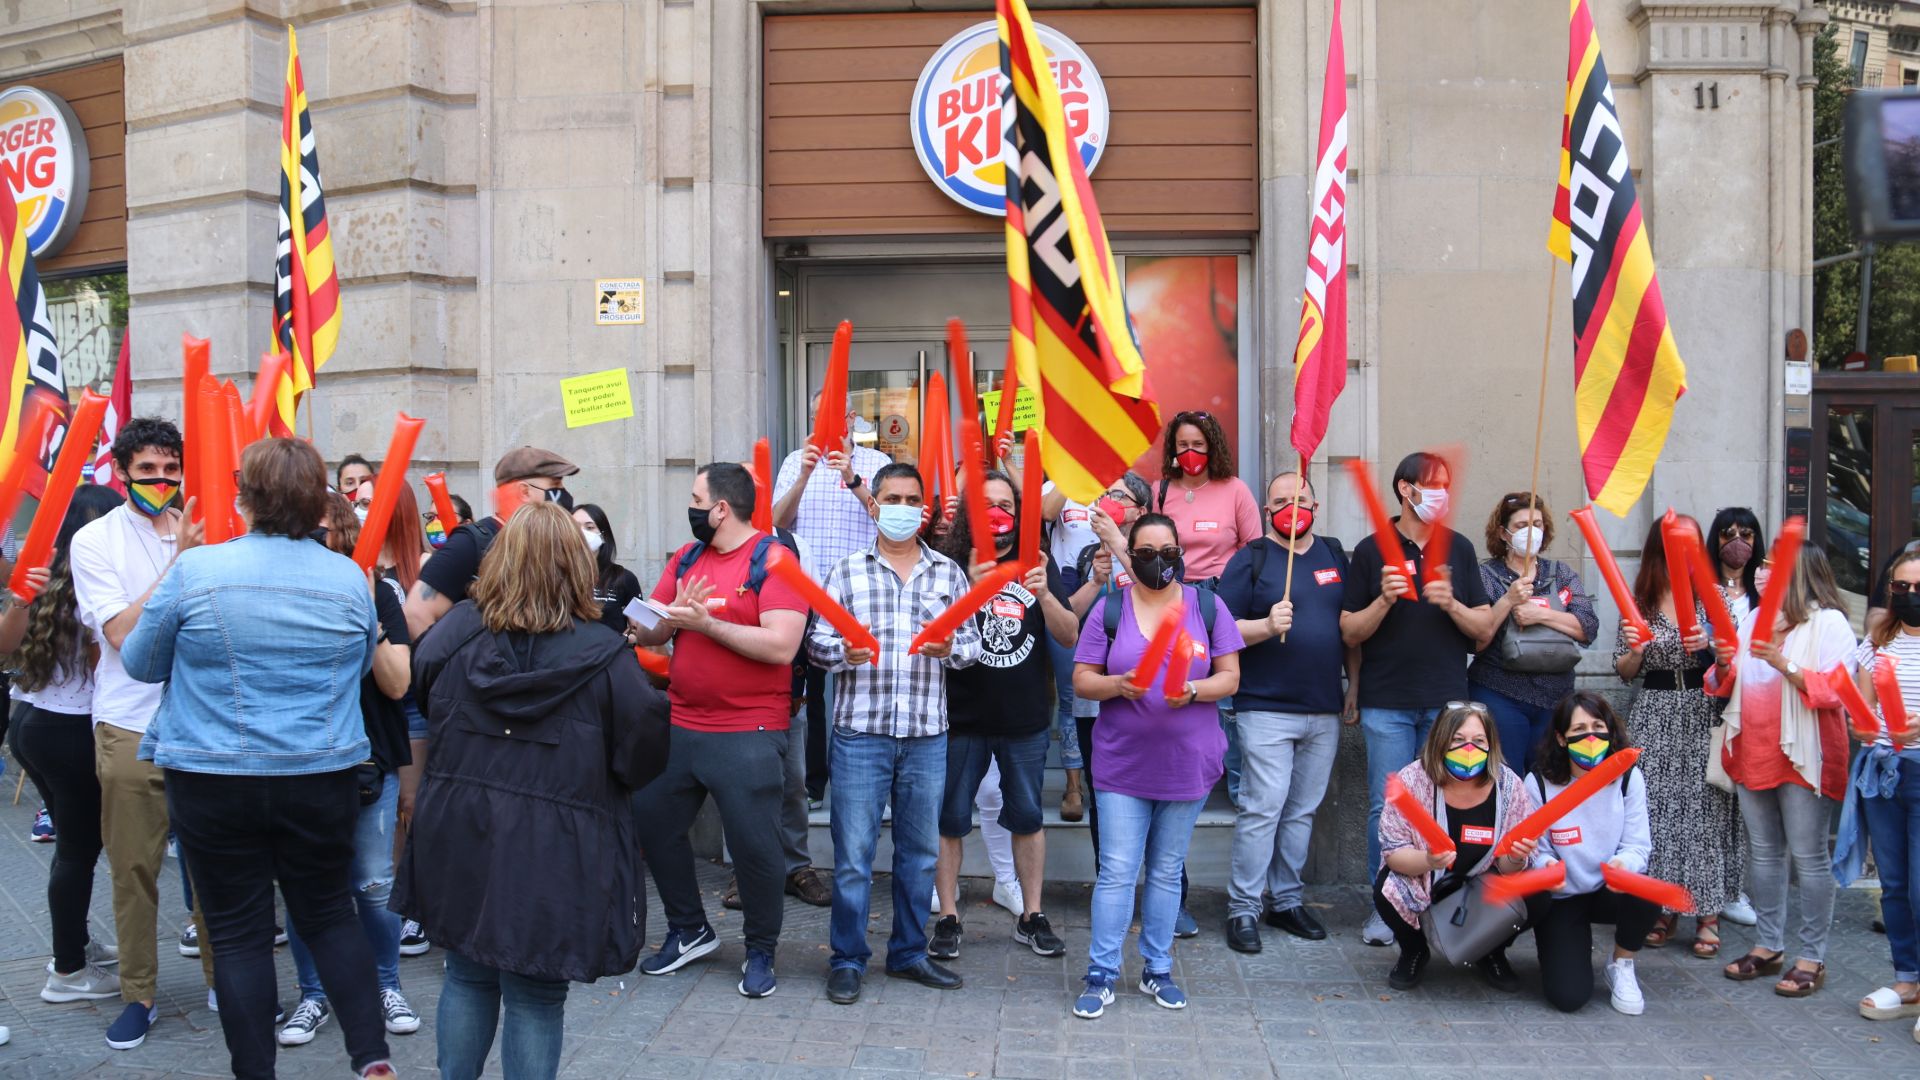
1110,612
756,577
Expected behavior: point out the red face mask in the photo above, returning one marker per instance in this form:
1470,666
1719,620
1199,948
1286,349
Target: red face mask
1113,508
1192,462
999,521
1292,521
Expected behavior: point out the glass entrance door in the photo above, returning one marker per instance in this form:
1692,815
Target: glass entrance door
885,383
1864,495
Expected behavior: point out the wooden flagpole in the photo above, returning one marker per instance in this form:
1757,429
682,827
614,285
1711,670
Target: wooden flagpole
1540,418
1287,596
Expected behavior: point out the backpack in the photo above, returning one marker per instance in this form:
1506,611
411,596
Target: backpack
756,577
1110,612
1259,556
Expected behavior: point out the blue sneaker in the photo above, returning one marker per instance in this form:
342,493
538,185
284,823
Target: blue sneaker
679,950
1184,925
131,1029
756,975
1165,994
42,827
1094,998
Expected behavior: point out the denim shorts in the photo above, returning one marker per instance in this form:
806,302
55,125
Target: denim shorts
1023,761
416,720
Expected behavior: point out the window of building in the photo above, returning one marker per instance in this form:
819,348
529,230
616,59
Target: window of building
1857,62
89,316
1910,77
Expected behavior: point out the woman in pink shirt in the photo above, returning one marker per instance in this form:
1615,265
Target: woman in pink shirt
1203,494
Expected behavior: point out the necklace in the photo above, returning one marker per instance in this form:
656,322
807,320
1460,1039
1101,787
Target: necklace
1189,494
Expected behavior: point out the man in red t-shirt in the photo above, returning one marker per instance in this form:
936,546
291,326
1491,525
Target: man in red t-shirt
731,693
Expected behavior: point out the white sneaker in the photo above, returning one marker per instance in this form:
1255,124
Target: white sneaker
1008,895
1626,987
1740,910
400,1017
97,954
1375,931
6,1035
933,905
90,983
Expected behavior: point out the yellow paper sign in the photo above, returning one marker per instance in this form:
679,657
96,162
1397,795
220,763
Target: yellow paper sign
597,397
1026,409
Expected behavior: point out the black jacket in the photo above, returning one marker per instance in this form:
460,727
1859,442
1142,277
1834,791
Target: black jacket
523,854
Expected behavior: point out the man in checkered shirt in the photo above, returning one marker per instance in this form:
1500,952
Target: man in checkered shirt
889,731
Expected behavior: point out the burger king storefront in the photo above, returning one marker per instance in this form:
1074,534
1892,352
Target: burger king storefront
883,196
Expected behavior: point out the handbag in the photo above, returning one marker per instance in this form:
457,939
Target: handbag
1538,649
369,781
1464,927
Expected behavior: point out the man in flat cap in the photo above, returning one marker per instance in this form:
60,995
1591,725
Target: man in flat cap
524,473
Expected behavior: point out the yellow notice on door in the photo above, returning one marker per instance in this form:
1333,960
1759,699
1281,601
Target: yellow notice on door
1026,409
597,397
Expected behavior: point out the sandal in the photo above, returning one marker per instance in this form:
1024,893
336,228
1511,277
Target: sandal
1705,947
1753,965
1661,933
1798,982
1887,1003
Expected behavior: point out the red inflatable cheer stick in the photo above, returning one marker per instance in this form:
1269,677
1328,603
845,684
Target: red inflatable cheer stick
1610,570
1431,833
787,568
1886,689
1031,480
830,421
1505,888
1159,646
274,366
1785,558
214,461
1865,725
1679,574
972,447
193,352
942,626
41,418
386,489
1707,586
1561,805
1384,533
1665,893
763,485
442,502
651,662
75,450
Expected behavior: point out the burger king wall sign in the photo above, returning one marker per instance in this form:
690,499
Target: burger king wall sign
43,162
957,125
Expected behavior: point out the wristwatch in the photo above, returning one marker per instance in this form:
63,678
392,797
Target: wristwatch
854,484
1792,669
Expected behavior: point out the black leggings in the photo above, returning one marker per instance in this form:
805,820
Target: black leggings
1565,940
56,750
1412,939
1083,727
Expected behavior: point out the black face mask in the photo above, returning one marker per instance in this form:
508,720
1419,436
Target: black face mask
1156,572
697,521
1905,607
561,496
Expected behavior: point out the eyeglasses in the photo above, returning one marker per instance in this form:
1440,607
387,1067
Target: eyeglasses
1901,588
1167,553
1123,498
1474,705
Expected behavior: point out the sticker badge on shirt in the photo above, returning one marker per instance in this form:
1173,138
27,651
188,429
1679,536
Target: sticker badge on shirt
1568,837
716,604
1539,602
1007,607
1476,834
1073,517
1205,526
1566,597
1329,576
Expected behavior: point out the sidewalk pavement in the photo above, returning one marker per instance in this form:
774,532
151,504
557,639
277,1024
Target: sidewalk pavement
1299,1009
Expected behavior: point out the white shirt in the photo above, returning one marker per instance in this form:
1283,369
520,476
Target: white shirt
1072,533
71,696
115,560
833,520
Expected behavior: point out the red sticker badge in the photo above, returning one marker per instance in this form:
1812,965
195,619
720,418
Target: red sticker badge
1329,576
1476,834
1567,837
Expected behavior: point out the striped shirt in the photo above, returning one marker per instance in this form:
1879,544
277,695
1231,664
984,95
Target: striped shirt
903,696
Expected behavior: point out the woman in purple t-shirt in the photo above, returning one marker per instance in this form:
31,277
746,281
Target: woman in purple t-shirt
1159,757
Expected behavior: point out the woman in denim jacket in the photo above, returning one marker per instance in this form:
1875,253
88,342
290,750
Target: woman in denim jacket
262,642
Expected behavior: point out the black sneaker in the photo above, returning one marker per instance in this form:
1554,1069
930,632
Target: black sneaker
1406,974
413,940
1497,972
946,938
279,936
1037,934
680,949
190,940
308,1018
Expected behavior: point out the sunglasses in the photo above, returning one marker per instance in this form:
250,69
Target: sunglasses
1474,705
1736,532
1901,588
1167,553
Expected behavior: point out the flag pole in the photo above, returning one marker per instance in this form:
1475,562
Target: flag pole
1540,417
1287,596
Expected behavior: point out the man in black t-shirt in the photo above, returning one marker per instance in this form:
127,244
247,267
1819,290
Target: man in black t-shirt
1289,706
526,472
1413,650
1001,709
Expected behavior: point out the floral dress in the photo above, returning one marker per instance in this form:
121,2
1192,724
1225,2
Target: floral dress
1697,836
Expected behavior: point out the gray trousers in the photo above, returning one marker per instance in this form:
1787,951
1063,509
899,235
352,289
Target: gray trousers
793,798
1286,760
1789,822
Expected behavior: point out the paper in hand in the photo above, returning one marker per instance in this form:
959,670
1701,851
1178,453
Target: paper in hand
644,612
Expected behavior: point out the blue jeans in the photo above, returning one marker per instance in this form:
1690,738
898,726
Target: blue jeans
1522,726
1894,827
1137,832
372,883
1235,756
470,1000
1394,738
1062,656
868,771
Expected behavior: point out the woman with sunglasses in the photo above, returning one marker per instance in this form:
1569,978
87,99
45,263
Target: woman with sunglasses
1471,793
1883,796
1786,752
1738,545
1160,754
1199,489
1608,829
1696,826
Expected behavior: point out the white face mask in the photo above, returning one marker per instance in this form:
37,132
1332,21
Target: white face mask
1526,540
594,540
361,513
1429,504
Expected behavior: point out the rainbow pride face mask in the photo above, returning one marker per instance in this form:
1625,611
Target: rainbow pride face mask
1589,751
1466,762
151,497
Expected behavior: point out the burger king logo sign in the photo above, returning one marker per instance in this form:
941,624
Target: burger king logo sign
957,126
43,162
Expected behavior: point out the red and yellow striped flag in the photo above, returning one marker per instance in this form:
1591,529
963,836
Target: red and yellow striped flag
1627,370
29,358
306,297
1071,340
1320,353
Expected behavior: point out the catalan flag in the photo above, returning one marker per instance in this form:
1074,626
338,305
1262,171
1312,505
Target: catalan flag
29,358
1320,354
306,297
1627,370
1071,338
